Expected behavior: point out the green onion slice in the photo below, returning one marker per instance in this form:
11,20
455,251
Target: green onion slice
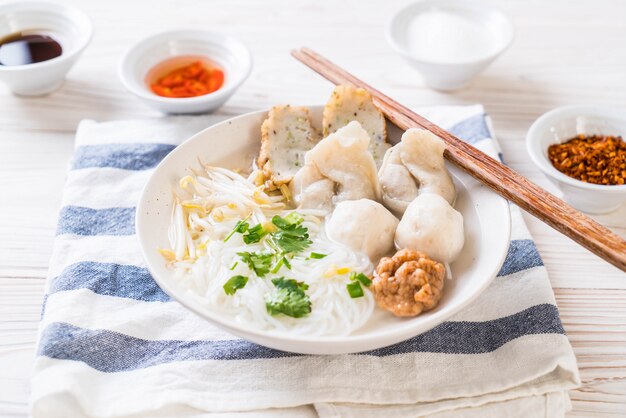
355,290
366,281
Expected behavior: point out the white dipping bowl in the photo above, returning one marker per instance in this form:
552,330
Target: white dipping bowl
564,123
233,144
68,26
228,53
449,75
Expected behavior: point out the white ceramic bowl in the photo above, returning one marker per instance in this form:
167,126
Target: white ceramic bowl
68,26
564,123
450,75
233,144
227,52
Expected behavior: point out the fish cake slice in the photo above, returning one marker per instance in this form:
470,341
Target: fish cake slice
286,135
348,103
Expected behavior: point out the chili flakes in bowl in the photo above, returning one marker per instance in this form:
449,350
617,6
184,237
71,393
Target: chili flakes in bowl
593,159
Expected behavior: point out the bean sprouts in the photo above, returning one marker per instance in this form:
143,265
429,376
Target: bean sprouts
207,209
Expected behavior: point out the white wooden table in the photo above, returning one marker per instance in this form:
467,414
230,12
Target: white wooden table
565,52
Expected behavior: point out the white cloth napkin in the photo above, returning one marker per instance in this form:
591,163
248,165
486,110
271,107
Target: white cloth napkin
113,345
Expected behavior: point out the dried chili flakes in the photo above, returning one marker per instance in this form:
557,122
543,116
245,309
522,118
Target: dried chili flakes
593,159
191,80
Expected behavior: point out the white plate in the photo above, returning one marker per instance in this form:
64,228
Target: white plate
233,144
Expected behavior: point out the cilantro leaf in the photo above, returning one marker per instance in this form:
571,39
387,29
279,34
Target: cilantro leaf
293,241
235,283
258,261
294,218
291,220
281,222
282,283
288,298
291,236
317,256
283,301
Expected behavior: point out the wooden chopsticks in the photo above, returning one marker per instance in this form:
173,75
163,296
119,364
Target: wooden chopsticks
504,181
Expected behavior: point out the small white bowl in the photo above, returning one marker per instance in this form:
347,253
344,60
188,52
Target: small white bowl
228,53
449,74
68,26
564,123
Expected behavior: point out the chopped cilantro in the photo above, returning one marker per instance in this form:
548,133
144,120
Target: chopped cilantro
287,263
354,289
282,261
294,218
235,283
240,227
288,298
291,237
293,241
282,283
285,237
254,234
278,265
258,261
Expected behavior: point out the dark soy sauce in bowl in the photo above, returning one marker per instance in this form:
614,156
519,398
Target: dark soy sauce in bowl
27,48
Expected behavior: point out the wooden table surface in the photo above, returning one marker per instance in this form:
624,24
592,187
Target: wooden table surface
565,52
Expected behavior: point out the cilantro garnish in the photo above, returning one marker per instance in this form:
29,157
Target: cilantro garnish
286,262
258,261
282,283
285,238
235,283
240,227
291,237
278,265
291,219
288,298
254,234
282,261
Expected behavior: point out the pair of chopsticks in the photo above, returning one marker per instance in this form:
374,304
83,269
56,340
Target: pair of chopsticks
504,181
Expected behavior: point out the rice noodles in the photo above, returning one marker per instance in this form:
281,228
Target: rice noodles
204,255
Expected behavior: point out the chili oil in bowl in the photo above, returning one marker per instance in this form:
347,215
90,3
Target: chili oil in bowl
185,71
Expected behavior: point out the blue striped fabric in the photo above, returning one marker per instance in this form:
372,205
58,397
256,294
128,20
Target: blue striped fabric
472,129
123,281
111,351
522,255
124,156
85,221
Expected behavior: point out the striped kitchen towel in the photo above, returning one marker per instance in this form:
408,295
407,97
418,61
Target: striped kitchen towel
112,344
